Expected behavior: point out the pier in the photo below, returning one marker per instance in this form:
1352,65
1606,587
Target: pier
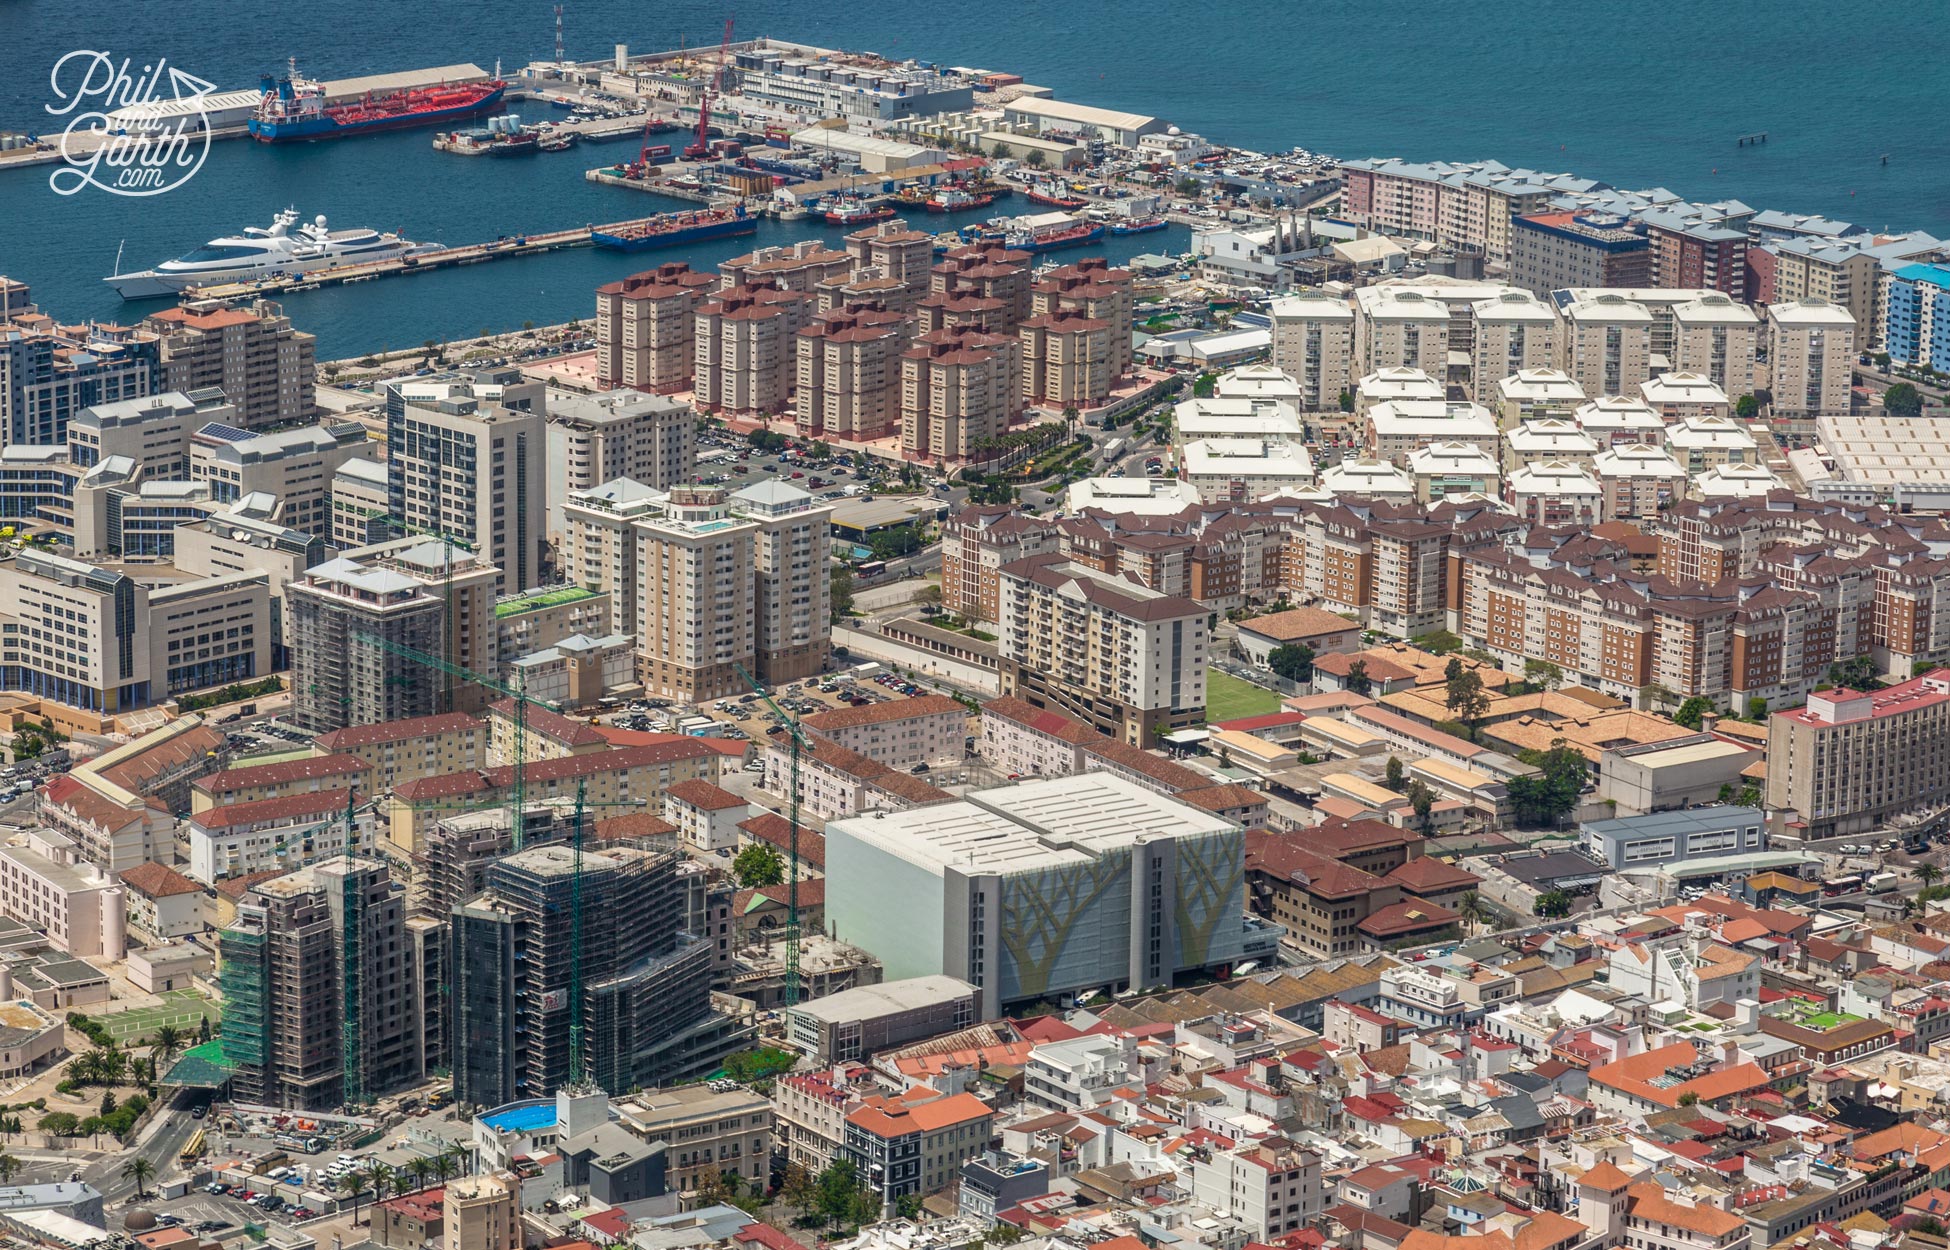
425,262
609,178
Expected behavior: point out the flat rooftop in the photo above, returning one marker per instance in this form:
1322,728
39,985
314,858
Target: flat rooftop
1030,826
887,998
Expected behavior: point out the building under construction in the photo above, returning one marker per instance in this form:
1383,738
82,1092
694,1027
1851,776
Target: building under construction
321,1001
638,997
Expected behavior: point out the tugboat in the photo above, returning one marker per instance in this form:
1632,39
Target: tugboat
956,200
848,210
1047,193
1138,225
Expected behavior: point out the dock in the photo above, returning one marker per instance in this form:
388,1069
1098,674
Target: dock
425,262
609,178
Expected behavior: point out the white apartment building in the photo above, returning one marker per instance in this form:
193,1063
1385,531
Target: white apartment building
1400,327
153,432
297,467
1533,442
1121,657
1615,420
1384,385
1717,337
470,458
1444,469
902,733
1675,396
1313,343
1270,1185
1368,479
1514,332
1606,344
599,544
1535,395
593,439
1238,470
1224,417
1079,1074
1398,427
1702,443
1811,352
706,816
1638,480
1555,492
359,495
78,906
280,833
1021,740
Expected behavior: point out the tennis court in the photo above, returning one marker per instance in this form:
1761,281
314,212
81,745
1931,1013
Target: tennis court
183,1008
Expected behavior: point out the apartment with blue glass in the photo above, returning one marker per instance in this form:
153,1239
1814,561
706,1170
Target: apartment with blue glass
1918,327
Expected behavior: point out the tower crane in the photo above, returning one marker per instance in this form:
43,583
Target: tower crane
701,146
798,742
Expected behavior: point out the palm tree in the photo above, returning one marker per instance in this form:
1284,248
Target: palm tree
461,1157
352,1184
1927,873
139,1170
379,1176
421,1167
166,1044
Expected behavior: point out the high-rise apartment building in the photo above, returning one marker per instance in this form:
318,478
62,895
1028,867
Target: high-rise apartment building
792,550
360,497
49,371
639,985
987,273
249,352
645,327
1397,326
1811,351
321,999
594,439
1067,360
958,388
899,254
1313,343
800,266
1514,331
1716,338
849,371
1606,343
469,458
1552,251
696,592
1849,760
1091,288
1124,659
152,433
399,593
745,359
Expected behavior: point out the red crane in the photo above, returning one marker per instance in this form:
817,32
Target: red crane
701,147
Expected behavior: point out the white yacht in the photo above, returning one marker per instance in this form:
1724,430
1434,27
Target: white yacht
285,247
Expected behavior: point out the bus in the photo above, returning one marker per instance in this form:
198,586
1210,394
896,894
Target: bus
870,568
1841,885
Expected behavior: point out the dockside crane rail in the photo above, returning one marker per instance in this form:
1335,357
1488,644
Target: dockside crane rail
797,742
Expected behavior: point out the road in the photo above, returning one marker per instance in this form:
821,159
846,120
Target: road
160,1141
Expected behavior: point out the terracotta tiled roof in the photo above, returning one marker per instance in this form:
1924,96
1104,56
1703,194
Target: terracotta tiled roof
159,881
353,737
702,794
563,729
261,811
1298,623
1043,721
775,829
310,769
879,713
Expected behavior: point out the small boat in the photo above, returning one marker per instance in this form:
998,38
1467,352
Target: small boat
1138,225
847,210
956,200
560,141
1055,198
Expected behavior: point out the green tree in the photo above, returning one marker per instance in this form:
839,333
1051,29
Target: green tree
1882,360
820,450
1187,188
1003,1234
1903,400
908,1206
1035,159
352,1184
1347,401
8,1166
799,1190
1543,674
711,1188
108,1103
421,1167
1437,642
1746,407
1857,674
1358,681
1465,695
1421,800
1552,904
1687,1099
1757,710
1397,776
1654,696
1294,661
1554,791
758,1064
166,1045
1693,712
758,865
836,1187
139,1170
842,592
1926,873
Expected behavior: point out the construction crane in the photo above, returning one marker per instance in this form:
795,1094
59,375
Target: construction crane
517,694
701,147
798,743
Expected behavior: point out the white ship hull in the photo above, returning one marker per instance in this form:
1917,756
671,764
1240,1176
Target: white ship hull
261,254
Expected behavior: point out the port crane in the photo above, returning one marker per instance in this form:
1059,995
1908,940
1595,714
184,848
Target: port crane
700,148
797,739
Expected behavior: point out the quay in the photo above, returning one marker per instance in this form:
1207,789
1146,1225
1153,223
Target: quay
425,262
608,176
